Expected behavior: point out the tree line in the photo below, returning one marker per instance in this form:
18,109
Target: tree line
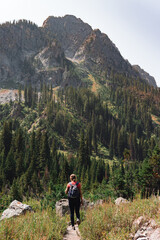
32,162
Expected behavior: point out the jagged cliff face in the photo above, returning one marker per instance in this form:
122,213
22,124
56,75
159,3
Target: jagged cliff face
82,44
69,31
99,54
28,54
148,78
51,53
18,43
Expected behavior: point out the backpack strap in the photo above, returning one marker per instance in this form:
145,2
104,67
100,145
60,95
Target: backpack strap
72,184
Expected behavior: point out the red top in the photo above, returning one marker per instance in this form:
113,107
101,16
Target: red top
74,183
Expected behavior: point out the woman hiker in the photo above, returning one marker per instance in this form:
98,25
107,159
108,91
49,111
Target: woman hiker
74,192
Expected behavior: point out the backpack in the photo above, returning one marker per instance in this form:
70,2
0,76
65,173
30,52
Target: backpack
73,191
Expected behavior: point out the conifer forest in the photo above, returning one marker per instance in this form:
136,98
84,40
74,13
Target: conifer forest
111,142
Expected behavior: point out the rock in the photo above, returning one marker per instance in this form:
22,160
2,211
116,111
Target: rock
146,229
16,208
62,207
86,204
69,31
155,235
146,76
138,222
121,200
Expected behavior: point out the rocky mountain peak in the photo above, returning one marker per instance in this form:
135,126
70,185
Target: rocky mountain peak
99,54
32,53
69,31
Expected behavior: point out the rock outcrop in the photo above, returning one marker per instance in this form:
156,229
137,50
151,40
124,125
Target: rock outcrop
29,53
120,201
19,42
145,229
148,78
62,206
69,31
15,209
99,54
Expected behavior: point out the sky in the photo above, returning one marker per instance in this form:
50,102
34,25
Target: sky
132,25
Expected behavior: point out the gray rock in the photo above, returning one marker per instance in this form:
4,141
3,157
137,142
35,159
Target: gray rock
146,76
121,200
16,208
146,229
138,223
62,206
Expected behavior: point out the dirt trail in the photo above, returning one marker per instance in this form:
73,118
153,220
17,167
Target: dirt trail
72,234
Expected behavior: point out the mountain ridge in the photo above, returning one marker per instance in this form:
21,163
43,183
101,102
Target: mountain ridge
23,42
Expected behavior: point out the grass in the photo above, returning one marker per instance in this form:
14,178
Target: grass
109,221
37,225
103,153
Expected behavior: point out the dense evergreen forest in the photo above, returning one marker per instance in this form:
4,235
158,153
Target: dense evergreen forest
46,135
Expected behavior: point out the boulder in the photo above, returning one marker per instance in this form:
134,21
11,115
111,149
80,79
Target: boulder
145,229
121,200
62,207
87,204
16,208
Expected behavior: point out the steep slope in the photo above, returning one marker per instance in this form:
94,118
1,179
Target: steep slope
90,48
53,53
18,43
52,67
146,76
99,54
69,31
28,55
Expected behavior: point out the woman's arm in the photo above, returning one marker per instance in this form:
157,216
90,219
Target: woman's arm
67,189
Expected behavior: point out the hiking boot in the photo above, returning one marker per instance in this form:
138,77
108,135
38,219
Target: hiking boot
73,227
78,221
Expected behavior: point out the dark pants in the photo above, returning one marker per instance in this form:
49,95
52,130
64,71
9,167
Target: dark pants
74,204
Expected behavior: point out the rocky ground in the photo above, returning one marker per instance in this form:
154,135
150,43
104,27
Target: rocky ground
7,95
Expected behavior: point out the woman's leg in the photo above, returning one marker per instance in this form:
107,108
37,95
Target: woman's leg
77,207
71,206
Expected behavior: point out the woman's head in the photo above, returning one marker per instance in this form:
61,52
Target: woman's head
73,177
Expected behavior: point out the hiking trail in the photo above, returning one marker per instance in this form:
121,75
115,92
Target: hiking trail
72,234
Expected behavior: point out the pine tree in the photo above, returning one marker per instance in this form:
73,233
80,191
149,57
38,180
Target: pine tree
6,138
15,191
44,153
94,138
9,169
82,152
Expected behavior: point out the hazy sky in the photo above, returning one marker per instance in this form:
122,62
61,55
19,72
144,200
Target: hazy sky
133,25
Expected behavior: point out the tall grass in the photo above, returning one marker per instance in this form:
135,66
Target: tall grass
111,222
38,225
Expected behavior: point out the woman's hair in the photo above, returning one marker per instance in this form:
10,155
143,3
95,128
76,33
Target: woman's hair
73,177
